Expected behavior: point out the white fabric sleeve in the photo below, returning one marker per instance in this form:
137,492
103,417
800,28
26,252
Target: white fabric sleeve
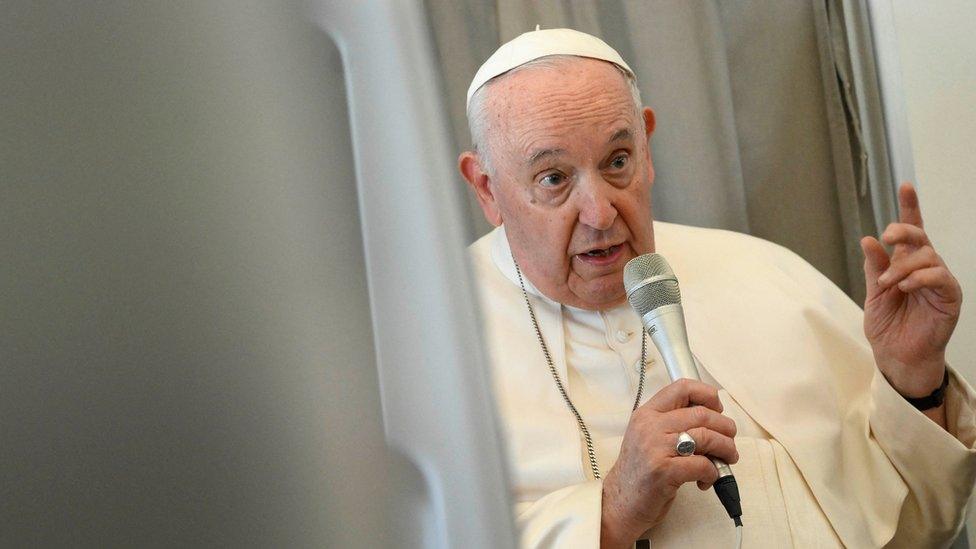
569,517
937,465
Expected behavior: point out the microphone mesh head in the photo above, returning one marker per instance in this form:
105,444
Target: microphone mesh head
643,267
653,295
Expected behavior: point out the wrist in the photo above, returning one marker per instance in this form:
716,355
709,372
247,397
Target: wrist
610,538
914,380
920,386
615,529
615,535
933,400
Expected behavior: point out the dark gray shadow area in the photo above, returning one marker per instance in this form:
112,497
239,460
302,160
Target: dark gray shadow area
186,351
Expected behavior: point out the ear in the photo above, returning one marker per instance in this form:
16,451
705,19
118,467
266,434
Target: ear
649,121
649,124
470,166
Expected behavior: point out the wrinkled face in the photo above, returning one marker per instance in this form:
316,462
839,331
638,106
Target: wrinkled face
572,178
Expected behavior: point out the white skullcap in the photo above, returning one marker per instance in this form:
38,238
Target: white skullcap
541,43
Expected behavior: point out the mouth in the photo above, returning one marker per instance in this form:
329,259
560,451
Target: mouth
601,256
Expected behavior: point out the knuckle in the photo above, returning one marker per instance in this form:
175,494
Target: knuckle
703,439
731,427
919,277
733,452
707,472
714,401
712,474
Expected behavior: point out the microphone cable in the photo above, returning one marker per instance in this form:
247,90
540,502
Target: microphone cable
727,491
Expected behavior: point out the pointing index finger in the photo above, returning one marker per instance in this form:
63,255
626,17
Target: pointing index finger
909,209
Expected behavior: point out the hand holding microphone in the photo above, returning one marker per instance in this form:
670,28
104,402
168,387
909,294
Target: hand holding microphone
652,290
653,462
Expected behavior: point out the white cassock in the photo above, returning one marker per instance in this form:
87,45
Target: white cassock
830,454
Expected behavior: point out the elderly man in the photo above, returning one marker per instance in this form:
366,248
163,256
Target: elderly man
836,439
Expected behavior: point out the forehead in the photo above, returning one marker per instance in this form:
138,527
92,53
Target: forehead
546,105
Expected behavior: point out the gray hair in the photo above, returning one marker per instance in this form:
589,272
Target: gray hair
478,110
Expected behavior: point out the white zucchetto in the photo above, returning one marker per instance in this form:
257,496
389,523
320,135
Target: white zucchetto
542,43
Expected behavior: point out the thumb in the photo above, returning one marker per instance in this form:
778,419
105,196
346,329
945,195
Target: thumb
876,261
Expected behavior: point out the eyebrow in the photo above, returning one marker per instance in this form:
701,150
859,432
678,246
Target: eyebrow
543,153
619,135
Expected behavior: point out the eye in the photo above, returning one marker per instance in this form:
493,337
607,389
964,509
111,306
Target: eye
619,161
552,180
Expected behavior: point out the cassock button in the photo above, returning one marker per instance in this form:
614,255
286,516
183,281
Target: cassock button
623,336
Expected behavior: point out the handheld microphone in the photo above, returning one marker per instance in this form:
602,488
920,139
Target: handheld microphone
652,290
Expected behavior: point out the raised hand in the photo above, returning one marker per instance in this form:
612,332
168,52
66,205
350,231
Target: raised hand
639,489
912,303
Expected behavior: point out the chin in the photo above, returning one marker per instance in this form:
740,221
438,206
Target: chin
611,295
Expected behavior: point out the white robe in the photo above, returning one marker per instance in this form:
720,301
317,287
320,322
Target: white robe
830,454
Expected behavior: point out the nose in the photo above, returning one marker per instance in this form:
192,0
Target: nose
596,207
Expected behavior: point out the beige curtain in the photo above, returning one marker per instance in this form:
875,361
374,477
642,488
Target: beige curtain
769,118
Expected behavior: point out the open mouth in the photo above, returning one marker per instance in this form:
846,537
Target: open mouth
602,252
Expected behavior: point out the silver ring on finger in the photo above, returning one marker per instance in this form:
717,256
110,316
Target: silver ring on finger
686,444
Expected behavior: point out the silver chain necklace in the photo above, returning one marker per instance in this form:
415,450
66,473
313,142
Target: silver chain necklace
590,452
